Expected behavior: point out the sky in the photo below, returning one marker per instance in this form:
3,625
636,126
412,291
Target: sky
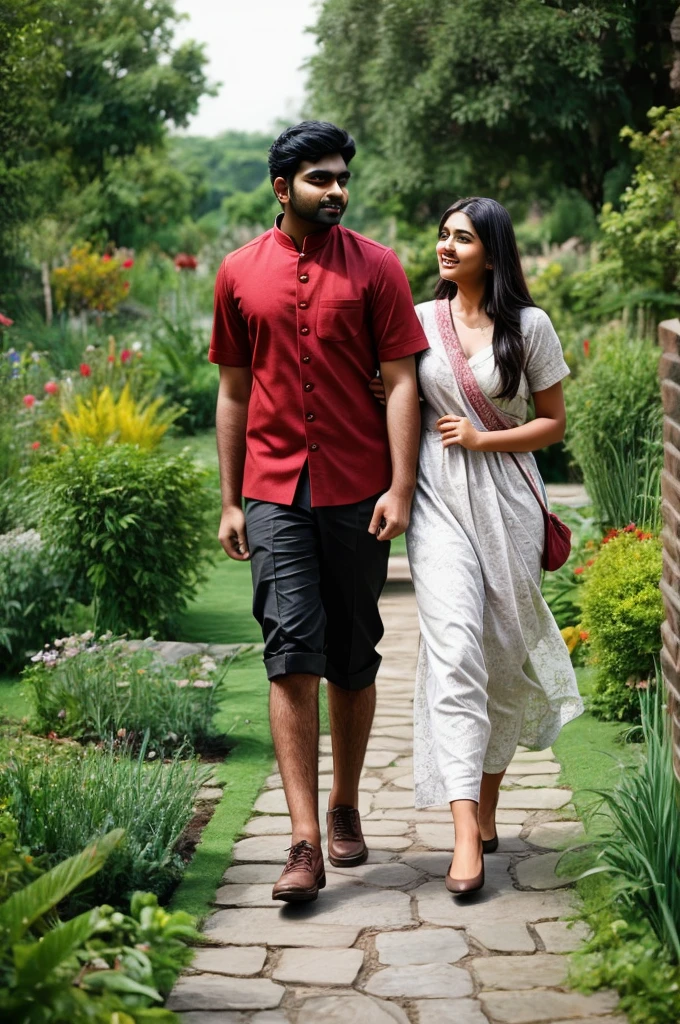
256,49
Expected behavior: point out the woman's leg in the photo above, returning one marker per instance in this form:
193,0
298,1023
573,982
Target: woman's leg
488,799
467,852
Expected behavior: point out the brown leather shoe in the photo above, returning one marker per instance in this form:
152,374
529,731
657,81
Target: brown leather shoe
346,846
302,876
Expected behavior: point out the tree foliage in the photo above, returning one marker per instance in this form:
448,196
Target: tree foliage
475,95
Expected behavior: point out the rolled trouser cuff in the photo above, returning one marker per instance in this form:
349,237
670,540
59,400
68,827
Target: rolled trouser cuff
356,680
295,663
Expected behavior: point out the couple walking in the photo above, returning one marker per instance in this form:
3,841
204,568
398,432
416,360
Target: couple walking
333,462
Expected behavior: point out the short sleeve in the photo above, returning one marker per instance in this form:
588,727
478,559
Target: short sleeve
396,328
229,344
545,363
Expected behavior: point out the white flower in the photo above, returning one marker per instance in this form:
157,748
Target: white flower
88,635
203,684
207,664
136,346
181,682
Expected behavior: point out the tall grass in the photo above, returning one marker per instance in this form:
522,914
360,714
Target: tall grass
624,481
62,803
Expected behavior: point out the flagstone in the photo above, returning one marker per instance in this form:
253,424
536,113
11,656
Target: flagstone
386,799
491,907
531,799
233,1017
429,981
379,758
538,1006
215,992
384,827
533,755
387,876
401,732
268,825
408,814
352,1008
252,874
561,936
395,843
389,743
404,782
450,1011
441,837
230,960
533,781
235,895
209,794
255,927
533,768
257,848
272,801
422,946
554,835
540,872
503,937
542,970
319,966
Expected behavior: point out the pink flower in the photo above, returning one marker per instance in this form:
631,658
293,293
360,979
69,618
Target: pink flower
35,445
181,683
5,321
106,258
128,263
203,684
125,355
29,401
586,347
51,387
85,370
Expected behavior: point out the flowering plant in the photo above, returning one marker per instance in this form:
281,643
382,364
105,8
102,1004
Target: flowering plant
88,281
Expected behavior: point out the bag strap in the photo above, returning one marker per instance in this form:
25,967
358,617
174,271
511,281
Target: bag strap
531,483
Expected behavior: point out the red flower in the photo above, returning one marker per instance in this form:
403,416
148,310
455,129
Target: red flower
85,370
631,528
126,285
578,570
29,401
128,263
111,359
5,321
35,445
106,258
52,388
586,347
591,561
183,261
583,635
125,355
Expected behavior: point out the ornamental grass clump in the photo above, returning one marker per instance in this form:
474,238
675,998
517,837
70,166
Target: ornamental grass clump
622,615
31,595
131,527
104,419
63,803
101,690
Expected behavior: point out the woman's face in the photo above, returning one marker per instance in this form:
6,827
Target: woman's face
462,257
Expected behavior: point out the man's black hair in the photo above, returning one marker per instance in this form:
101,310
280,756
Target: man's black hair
308,140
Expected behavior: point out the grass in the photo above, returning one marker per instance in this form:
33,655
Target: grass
14,701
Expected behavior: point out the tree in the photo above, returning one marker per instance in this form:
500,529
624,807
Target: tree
487,95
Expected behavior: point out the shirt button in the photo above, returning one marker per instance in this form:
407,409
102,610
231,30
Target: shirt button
303,305
313,447
304,330
305,359
310,417
309,386
304,278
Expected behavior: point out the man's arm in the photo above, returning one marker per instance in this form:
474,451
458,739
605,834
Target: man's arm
403,430
231,419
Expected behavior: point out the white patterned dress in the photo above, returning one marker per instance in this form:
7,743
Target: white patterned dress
493,669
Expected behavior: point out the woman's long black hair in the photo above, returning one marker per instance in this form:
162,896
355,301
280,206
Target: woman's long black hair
506,291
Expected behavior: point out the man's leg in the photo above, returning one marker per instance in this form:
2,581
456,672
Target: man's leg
351,715
294,717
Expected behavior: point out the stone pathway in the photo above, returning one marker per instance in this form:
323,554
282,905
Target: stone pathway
385,943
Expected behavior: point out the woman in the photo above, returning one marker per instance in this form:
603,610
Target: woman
493,669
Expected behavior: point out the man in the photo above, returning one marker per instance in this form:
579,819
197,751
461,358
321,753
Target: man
304,315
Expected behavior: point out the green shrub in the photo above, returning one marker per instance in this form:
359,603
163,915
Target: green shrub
131,525
622,614
30,595
102,690
614,430
63,803
96,968
562,589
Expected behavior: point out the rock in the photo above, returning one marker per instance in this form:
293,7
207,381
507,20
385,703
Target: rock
450,1011
319,967
504,937
533,781
272,801
378,758
561,937
274,928
385,876
261,848
230,960
534,799
384,827
208,794
534,755
554,835
534,1007
215,992
173,651
424,981
404,782
533,768
350,1009
543,970
386,799
539,872
491,907
268,825
252,874
441,837
395,843
400,732
423,946
232,895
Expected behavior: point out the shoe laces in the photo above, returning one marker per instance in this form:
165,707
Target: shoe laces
300,856
345,823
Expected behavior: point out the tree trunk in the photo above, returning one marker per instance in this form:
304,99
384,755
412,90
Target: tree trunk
47,292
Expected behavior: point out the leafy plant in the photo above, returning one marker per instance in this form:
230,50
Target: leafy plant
562,589
88,281
102,690
130,524
622,615
63,803
103,419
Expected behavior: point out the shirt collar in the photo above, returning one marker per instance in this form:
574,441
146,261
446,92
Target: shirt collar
311,243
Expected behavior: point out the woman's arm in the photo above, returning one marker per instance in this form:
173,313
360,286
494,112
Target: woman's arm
547,428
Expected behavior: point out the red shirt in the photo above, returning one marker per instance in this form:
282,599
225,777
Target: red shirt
314,326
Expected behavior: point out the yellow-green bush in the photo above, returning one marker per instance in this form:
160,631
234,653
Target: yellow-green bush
104,419
622,615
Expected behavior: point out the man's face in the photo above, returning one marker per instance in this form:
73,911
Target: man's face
318,193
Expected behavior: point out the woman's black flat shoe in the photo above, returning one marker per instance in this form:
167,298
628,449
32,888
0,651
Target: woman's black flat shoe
490,845
465,886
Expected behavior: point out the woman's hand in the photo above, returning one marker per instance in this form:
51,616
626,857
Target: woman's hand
458,430
378,389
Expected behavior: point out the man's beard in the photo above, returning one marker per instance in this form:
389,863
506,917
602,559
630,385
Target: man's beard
315,212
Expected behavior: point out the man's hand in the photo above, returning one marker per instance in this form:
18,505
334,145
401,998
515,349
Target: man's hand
391,515
458,430
232,533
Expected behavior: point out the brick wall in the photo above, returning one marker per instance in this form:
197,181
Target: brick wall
669,371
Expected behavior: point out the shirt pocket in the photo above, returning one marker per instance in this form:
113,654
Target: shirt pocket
339,319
